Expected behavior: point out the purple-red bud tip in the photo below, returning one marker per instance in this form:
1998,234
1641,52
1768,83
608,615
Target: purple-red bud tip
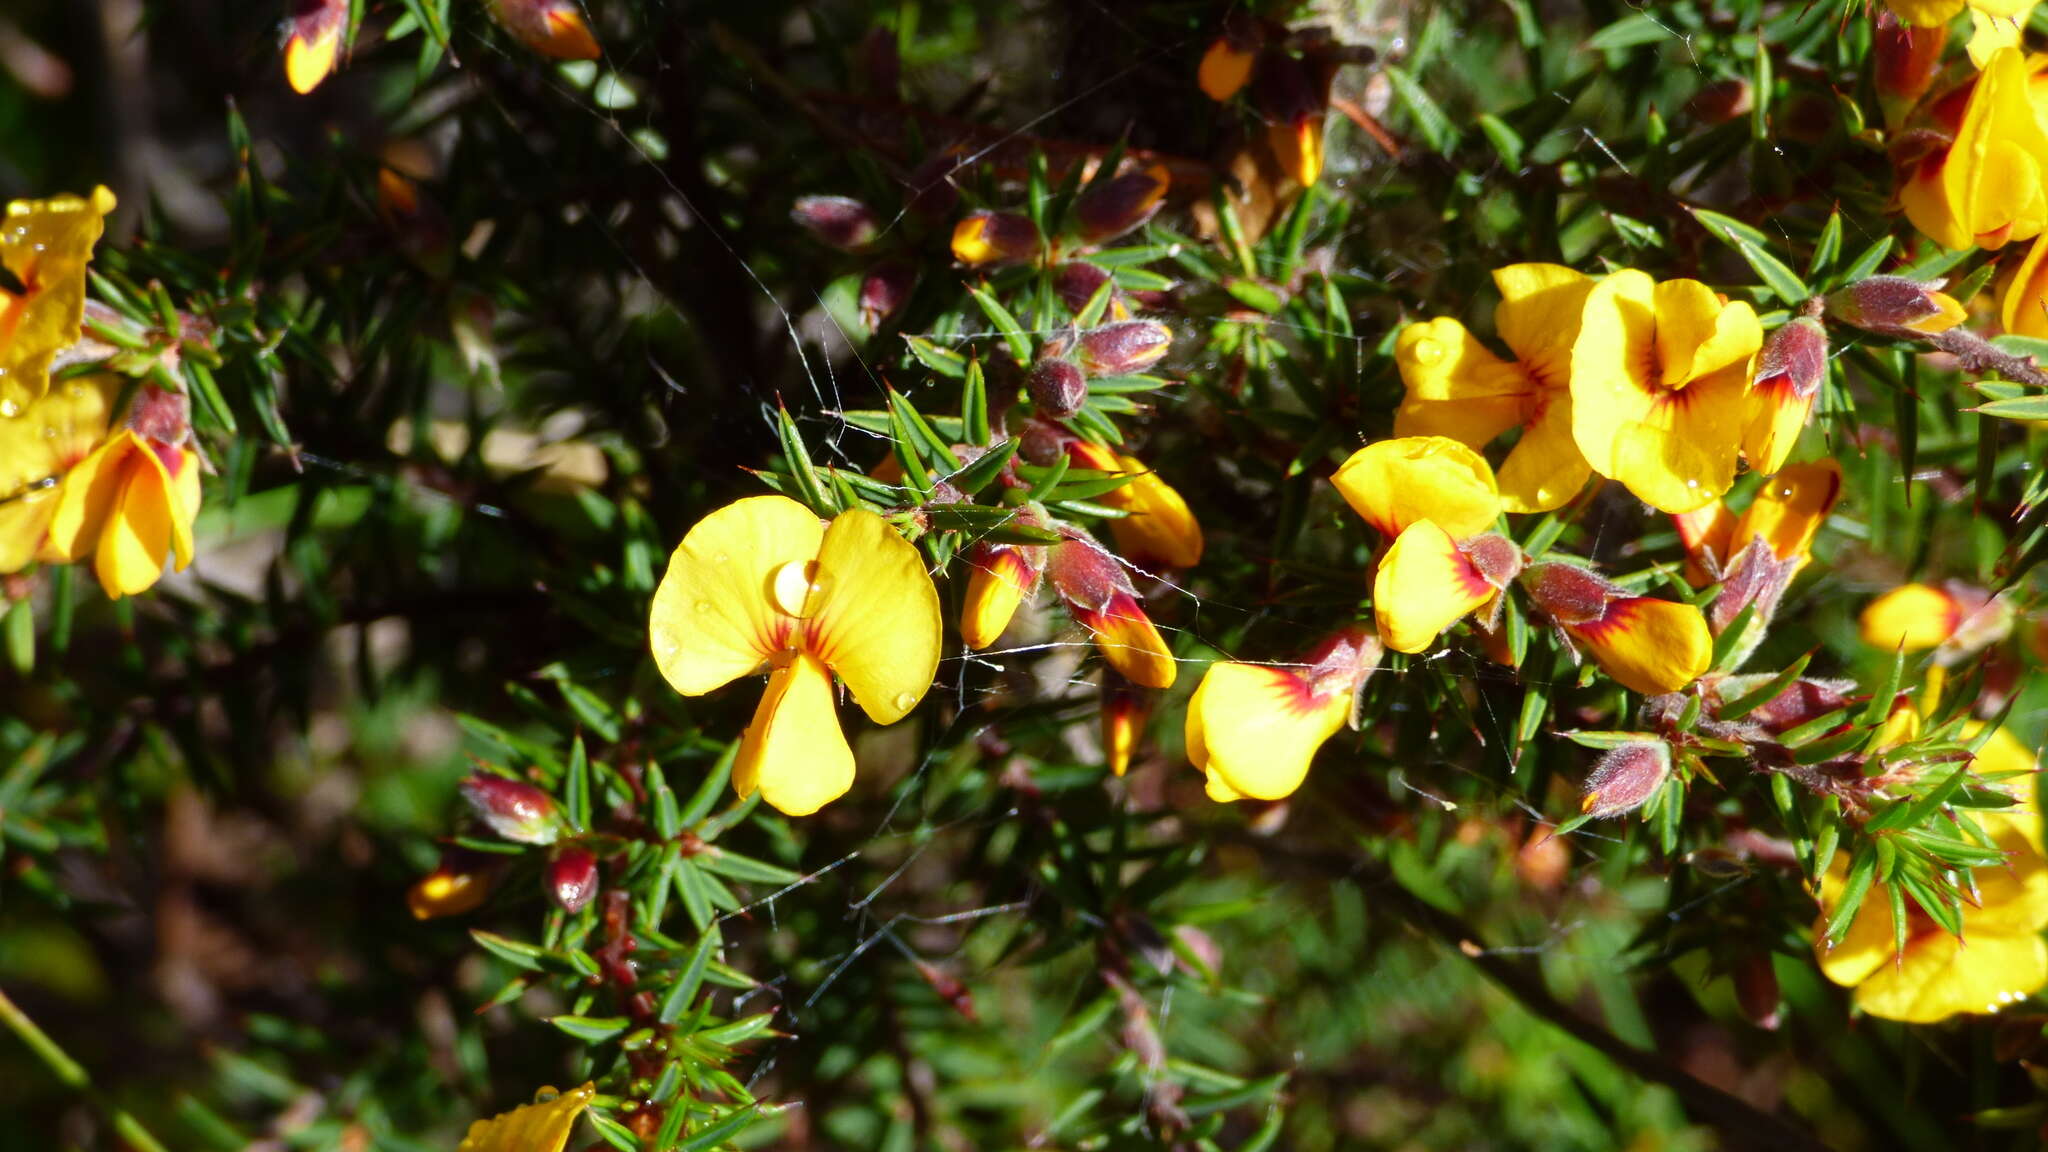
1568,593
518,812
1626,778
840,221
572,878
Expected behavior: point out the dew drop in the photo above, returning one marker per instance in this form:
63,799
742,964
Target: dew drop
1428,351
704,606
905,701
794,587
9,408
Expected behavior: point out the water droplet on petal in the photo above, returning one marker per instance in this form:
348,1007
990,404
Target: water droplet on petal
9,408
905,701
704,606
1428,352
794,587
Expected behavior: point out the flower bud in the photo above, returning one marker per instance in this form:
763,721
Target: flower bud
1896,306
1626,778
988,239
1116,205
1756,989
1720,102
1906,59
312,41
1057,387
458,884
160,415
1123,721
1780,399
1000,577
1120,349
840,221
515,811
553,28
1076,282
1102,600
572,878
885,289
1568,593
1042,442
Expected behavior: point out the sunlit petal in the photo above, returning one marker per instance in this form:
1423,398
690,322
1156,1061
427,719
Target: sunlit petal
1538,316
137,537
542,1126
1254,729
1911,616
45,244
713,619
1129,641
1649,646
795,751
1395,483
874,616
1440,360
1423,586
1545,469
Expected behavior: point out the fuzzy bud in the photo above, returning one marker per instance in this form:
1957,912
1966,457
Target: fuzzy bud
553,28
1568,593
572,878
1894,306
840,221
313,41
990,239
1119,349
1057,387
1796,355
156,414
1906,61
883,290
1084,572
1116,205
515,811
1626,778
1076,282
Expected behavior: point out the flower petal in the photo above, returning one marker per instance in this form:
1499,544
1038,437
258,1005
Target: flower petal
1911,616
1680,453
1440,360
1647,645
2023,305
1545,468
56,431
1699,334
1538,316
1790,508
875,615
795,751
1611,364
713,620
997,580
1474,422
88,496
542,1126
1424,585
137,538
1255,729
1395,483
45,244
1940,976
1925,13
1160,530
24,526
1128,640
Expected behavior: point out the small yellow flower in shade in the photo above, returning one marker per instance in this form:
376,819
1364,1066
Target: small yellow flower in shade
312,42
1952,618
1227,63
1000,577
1124,713
553,28
1102,600
1647,645
1159,531
131,502
1658,375
1434,499
985,239
1457,388
451,889
36,449
542,1126
45,245
1984,188
1298,147
1998,960
1254,728
762,582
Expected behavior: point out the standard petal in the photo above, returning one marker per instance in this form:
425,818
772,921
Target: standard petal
713,619
184,492
1925,13
1698,334
1866,945
1440,360
874,616
1611,362
1680,454
1538,317
542,1126
1128,640
1649,646
45,244
795,751
1992,177
1424,585
1259,727
997,580
1940,976
1545,468
1395,483
1160,530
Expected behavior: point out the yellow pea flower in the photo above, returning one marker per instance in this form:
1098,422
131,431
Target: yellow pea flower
1160,530
1995,23
36,449
762,582
1647,645
45,245
1658,377
2023,302
1458,388
2000,957
1434,499
1985,187
1102,599
999,579
553,28
130,503
1253,728
449,890
1756,556
542,1126
1953,618
312,41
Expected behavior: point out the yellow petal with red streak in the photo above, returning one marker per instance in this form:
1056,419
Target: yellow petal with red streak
1649,646
1424,585
1254,729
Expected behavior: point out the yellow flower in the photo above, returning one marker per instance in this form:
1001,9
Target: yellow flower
36,449
1435,500
993,239
1658,376
1297,146
553,28
542,1126
1124,713
1159,531
1457,388
2023,303
1253,728
1789,373
1999,958
45,245
1647,645
1994,24
313,43
130,503
449,890
999,578
1101,599
1984,187
762,582
1952,618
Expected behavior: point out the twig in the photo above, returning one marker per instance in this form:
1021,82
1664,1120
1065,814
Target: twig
73,1075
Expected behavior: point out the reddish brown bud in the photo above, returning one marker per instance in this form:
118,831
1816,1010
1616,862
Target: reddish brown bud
1626,778
1042,442
1797,355
984,239
885,289
1720,102
1568,593
1756,989
156,414
515,811
1497,557
1057,387
1892,305
1118,349
1116,205
1076,283
1906,61
840,221
1084,572
572,878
